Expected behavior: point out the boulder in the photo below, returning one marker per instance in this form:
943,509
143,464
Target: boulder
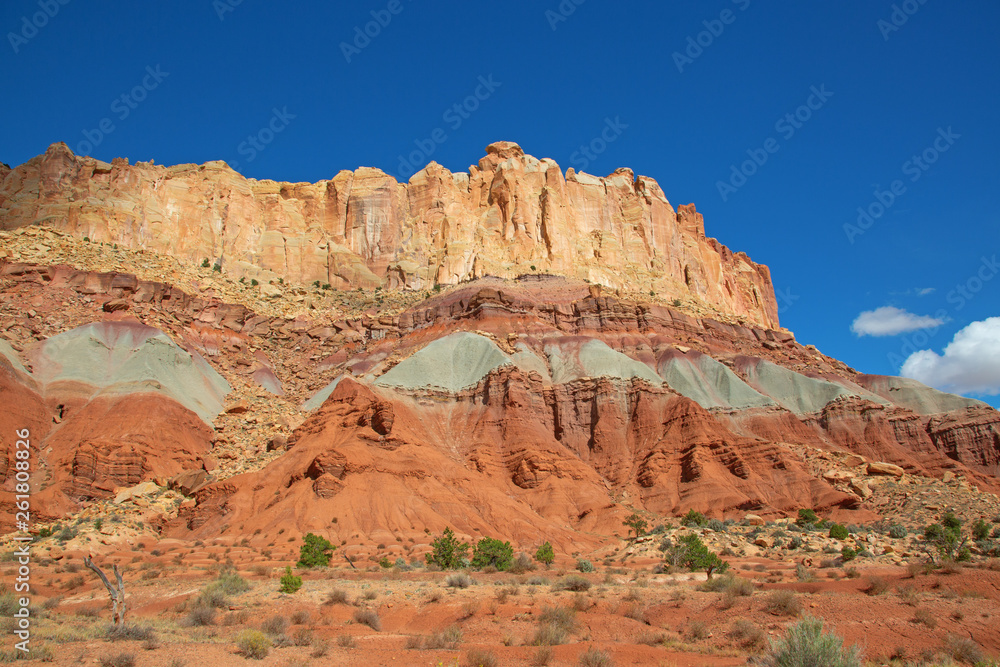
885,469
189,481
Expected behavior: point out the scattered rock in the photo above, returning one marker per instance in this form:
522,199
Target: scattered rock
860,487
886,469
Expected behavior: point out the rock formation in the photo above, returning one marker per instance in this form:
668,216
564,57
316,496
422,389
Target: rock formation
517,403
510,215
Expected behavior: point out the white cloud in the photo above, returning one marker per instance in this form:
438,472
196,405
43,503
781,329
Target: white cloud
970,363
889,321
924,291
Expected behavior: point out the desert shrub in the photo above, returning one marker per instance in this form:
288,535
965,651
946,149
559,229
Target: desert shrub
807,645
492,552
807,516
696,631
748,636
636,524
925,617
345,641
542,657
802,573
963,649
253,644
838,532
129,633
783,603
320,647
980,530
594,658
522,564
368,617
275,625
897,531
336,596
450,637
448,552
545,554
554,626
716,525
480,658
691,552
461,580
201,615
572,582
205,263
735,586
289,582
848,554
584,565
876,586
693,518
315,551
122,659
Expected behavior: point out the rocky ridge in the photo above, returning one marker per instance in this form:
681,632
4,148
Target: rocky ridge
511,214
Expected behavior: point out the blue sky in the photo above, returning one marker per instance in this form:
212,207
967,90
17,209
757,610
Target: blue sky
696,88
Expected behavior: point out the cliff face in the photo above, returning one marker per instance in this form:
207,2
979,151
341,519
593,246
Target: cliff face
510,215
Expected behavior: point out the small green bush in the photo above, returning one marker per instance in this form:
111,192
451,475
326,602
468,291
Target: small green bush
491,552
693,518
897,531
448,552
848,554
205,263
584,565
289,582
315,551
980,530
838,532
217,267
806,645
253,644
545,554
636,524
691,552
807,516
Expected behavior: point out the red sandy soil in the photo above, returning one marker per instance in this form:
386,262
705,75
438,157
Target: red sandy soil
637,617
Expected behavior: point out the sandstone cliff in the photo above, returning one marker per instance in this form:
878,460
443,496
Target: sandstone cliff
512,214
